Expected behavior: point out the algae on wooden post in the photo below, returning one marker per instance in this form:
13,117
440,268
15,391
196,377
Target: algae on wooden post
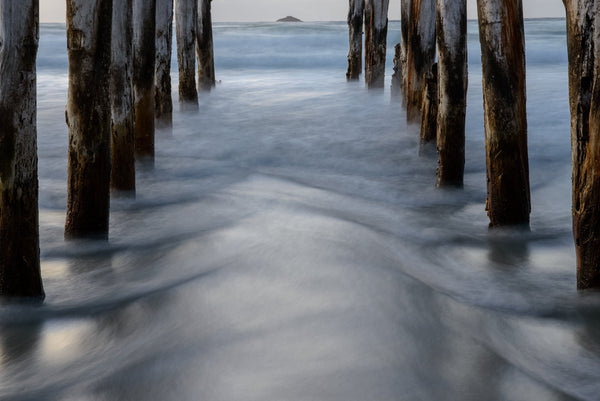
452,69
503,64
164,37
420,54
204,47
144,63
355,27
121,96
185,22
19,228
377,37
89,117
584,97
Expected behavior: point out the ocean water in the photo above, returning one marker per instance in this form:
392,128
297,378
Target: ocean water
290,245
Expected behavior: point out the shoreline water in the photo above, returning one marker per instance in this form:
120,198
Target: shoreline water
290,244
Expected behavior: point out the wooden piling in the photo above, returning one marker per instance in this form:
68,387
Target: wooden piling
420,54
397,75
429,110
377,41
355,27
89,118
204,47
121,95
584,98
19,228
144,59
185,22
404,25
164,36
503,63
451,32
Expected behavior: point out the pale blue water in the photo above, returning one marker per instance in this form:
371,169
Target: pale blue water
289,245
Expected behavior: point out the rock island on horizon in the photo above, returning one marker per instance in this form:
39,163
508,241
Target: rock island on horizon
289,18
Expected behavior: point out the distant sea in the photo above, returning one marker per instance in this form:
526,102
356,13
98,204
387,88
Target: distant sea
290,245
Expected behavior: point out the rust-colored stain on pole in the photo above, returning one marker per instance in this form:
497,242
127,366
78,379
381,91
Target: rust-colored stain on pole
19,228
503,63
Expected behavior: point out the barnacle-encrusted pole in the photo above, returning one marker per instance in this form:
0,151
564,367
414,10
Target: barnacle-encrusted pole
503,63
204,47
121,96
144,63
355,27
185,22
164,37
89,117
19,229
452,69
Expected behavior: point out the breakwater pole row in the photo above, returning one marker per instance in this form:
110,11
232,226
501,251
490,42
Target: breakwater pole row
374,14
119,87
435,96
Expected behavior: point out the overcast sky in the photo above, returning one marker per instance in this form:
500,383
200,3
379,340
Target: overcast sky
307,10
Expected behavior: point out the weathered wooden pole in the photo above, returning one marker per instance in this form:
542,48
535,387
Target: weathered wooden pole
19,228
204,47
397,75
185,22
89,117
121,95
420,54
144,59
404,24
451,28
584,98
164,38
368,29
377,41
429,109
503,63
355,27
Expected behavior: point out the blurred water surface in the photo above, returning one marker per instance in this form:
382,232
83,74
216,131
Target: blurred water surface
289,245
